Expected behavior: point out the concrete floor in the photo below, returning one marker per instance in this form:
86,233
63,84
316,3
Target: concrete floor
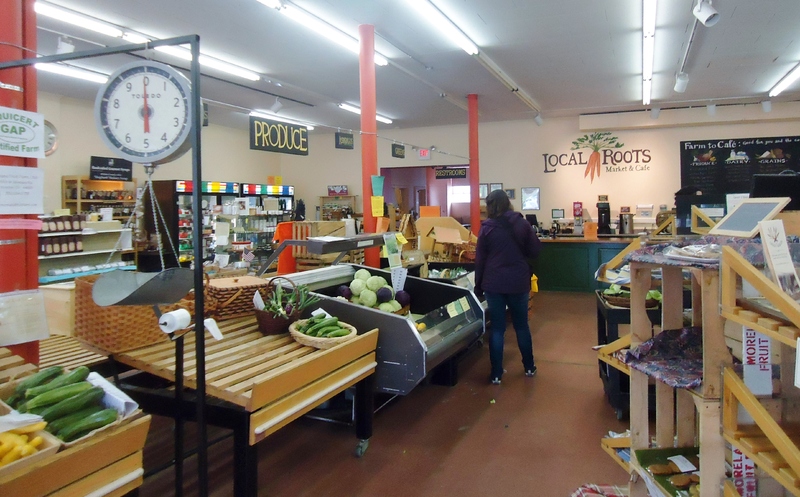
536,437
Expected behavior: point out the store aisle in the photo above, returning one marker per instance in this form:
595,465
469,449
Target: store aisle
534,437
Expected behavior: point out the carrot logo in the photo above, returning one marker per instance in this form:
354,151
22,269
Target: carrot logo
596,142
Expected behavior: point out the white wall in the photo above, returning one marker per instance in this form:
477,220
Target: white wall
511,153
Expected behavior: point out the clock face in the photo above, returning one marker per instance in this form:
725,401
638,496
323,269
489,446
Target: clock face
50,138
144,112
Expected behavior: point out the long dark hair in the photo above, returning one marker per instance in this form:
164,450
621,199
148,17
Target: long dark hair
497,203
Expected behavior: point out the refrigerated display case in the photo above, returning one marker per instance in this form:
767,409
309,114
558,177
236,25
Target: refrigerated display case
267,205
174,198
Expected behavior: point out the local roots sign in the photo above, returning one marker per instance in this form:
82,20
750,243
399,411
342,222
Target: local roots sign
276,136
599,153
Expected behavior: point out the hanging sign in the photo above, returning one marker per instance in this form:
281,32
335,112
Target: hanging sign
398,151
205,114
110,168
276,136
424,154
450,173
21,190
344,140
22,134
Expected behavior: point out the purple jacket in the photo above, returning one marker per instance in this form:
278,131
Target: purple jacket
504,245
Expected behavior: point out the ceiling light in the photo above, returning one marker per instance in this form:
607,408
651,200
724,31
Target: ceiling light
654,112
538,120
785,82
356,110
766,106
648,47
711,109
223,66
73,72
327,30
135,38
681,82
265,114
273,4
64,46
705,13
276,106
69,17
443,23
498,73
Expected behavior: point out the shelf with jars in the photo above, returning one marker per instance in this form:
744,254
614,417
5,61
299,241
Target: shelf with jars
80,194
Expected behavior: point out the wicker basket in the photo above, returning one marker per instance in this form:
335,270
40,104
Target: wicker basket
618,301
118,328
234,296
269,324
320,342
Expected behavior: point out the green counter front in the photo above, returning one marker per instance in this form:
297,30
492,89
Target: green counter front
568,264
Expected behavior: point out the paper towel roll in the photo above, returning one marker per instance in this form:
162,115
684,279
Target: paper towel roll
349,227
171,322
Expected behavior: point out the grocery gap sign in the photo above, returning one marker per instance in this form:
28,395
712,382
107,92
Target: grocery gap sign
21,133
276,136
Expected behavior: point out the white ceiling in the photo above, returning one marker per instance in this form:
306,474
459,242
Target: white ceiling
571,56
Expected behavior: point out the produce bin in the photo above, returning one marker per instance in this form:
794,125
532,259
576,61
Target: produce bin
452,315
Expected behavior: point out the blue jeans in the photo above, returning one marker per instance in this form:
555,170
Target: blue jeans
517,304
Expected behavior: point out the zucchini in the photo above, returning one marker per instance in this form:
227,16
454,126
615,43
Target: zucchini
312,331
326,331
340,333
74,403
58,424
316,318
78,374
15,399
39,378
87,424
57,395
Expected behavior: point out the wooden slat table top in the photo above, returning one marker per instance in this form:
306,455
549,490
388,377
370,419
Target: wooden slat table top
13,366
234,366
59,350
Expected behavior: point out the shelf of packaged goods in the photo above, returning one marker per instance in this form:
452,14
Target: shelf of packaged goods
658,484
45,280
86,252
101,201
84,232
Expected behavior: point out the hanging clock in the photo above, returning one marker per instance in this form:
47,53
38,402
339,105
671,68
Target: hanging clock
50,138
144,112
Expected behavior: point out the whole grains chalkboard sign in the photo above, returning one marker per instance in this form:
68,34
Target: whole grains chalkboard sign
727,165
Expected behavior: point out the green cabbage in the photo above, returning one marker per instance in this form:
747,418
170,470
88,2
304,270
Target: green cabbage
395,305
386,307
368,298
375,282
362,274
357,286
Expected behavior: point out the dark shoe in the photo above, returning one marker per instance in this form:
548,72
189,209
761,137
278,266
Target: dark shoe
530,372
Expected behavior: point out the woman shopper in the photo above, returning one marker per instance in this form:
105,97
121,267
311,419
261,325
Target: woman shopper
502,274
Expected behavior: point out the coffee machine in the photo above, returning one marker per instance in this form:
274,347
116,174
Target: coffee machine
603,216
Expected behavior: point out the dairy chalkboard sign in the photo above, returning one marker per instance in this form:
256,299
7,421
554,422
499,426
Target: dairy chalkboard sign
727,165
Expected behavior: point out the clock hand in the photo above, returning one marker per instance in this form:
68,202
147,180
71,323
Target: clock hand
146,109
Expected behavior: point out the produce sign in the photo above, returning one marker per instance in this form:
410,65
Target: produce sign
275,136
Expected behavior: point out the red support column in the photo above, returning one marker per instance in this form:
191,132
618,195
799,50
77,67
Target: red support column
19,265
369,130
474,165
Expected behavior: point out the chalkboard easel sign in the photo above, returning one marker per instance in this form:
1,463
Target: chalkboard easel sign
743,220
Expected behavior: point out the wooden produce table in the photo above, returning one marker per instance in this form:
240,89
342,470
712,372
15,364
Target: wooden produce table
109,463
255,385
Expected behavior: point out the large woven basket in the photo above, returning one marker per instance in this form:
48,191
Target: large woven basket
234,296
118,328
626,301
320,342
275,325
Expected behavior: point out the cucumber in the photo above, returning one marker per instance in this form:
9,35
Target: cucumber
58,424
340,333
78,374
57,395
312,331
324,332
39,378
74,403
87,424
316,318
15,399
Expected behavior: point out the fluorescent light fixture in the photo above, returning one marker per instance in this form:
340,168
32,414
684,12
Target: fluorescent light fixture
654,112
135,37
269,115
785,82
711,109
538,120
70,17
498,73
223,66
72,72
681,82
443,24
272,4
327,30
648,47
705,13
766,106
356,110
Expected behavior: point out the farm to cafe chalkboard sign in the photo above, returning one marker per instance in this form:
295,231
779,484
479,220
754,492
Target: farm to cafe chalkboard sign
727,165
599,152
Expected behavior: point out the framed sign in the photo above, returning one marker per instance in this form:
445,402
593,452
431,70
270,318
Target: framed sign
495,186
743,220
336,190
530,199
510,192
483,190
557,213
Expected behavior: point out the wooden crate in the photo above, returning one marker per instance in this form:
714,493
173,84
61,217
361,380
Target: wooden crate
59,306
303,230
